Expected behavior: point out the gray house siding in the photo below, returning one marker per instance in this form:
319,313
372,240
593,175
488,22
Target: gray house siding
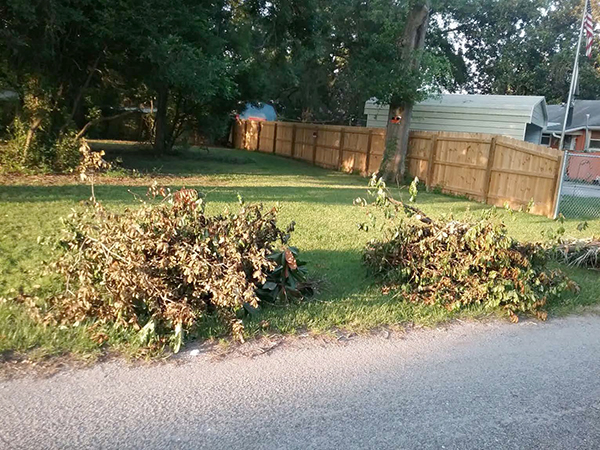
493,114
533,134
537,118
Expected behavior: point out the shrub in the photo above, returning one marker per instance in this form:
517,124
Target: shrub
288,280
66,152
45,151
162,267
460,263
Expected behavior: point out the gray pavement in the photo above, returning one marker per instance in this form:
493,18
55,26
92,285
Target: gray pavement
471,386
585,190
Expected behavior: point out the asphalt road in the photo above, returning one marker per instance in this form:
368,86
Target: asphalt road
473,386
586,190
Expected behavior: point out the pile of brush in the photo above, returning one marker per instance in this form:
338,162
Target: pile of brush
579,252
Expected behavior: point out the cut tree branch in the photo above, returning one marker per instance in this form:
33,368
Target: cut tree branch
86,84
87,126
412,210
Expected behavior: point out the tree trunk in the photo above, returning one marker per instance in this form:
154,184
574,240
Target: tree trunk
35,124
160,138
86,84
393,165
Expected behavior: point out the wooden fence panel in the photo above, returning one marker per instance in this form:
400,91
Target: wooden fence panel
237,134
461,162
522,173
250,135
354,152
267,134
305,141
285,134
328,147
493,169
376,151
418,155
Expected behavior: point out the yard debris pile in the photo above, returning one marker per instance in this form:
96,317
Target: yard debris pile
456,264
579,252
163,266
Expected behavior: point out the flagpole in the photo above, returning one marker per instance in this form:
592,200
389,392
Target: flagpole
561,144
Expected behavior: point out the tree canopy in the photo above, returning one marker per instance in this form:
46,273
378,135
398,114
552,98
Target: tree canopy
194,63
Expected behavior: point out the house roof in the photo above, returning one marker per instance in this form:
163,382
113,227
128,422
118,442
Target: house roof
531,109
581,108
500,102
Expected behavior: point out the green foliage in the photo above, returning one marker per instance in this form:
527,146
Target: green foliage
66,152
456,264
11,155
288,280
413,190
72,63
519,47
160,268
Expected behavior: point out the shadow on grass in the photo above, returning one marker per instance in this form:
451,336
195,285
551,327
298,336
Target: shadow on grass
210,161
214,193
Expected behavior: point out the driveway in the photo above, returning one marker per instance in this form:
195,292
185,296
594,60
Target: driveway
472,386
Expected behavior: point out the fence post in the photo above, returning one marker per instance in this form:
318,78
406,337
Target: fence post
560,176
245,136
431,162
258,132
314,152
341,151
275,138
488,172
368,159
293,140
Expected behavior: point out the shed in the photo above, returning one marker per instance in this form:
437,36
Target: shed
519,117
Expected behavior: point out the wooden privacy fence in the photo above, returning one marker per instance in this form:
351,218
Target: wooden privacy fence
493,169
351,149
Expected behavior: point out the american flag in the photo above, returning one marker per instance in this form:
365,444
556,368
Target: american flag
589,28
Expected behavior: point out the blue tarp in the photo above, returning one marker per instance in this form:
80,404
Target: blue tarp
259,111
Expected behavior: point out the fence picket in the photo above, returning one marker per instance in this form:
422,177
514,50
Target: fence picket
368,158
341,149
293,140
431,161
490,167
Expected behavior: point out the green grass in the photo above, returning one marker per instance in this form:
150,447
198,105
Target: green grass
585,208
320,202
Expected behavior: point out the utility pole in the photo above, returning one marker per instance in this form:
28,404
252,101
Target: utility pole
567,108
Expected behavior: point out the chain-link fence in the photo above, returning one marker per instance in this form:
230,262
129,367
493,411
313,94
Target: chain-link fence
580,193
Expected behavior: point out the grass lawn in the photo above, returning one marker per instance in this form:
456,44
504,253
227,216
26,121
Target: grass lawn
320,202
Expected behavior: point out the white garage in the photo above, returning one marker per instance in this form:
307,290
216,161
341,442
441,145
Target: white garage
519,117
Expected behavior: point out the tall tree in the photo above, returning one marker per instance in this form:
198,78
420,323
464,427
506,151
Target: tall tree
520,47
410,47
67,59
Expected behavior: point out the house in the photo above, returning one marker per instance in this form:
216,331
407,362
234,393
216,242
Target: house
519,117
583,129
582,138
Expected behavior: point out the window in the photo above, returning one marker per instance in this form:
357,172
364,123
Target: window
594,145
545,140
569,143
